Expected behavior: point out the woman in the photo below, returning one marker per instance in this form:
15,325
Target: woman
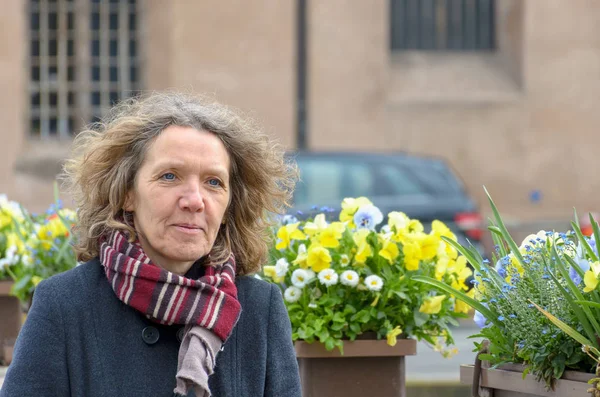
173,195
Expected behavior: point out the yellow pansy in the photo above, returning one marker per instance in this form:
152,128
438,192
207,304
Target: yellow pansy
412,255
441,266
269,271
364,251
287,233
13,240
398,220
590,278
301,257
439,228
432,305
319,224
446,249
392,336
429,245
349,208
389,251
360,236
415,226
330,237
462,307
318,258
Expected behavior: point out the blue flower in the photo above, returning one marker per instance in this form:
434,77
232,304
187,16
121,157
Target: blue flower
512,315
367,217
575,277
314,207
480,320
486,261
299,213
474,282
486,280
500,318
493,300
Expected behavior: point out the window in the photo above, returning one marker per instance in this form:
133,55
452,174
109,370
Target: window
82,59
447,25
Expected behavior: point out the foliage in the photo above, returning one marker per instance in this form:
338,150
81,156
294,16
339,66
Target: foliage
531,287
34,247
345,278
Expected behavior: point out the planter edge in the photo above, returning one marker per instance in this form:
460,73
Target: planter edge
357,348
512,380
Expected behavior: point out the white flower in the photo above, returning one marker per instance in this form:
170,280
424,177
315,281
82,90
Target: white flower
255,276
349,278
301,249
27,260
374,283
300,278
328,277
292,294
312,305
344,260
367,217
311,274
281,267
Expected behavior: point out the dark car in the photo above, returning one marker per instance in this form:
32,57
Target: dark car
425,188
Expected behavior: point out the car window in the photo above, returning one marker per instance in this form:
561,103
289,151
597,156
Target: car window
396,181
438,176
325,181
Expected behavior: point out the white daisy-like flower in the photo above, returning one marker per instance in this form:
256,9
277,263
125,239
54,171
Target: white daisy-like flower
310,274
328,277
374,282
349,278
300,278
281,267
292,294
344,260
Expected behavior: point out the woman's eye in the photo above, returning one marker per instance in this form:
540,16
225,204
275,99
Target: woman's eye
214,182
169,176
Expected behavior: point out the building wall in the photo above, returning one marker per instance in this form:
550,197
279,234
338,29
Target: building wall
518,120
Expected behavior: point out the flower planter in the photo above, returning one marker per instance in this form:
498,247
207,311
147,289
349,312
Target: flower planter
10,313
507,381
368,367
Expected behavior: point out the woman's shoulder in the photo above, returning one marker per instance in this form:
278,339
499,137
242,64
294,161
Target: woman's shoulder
73,285
256,292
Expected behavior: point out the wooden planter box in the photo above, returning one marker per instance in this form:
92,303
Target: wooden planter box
507,381
10,313
367,368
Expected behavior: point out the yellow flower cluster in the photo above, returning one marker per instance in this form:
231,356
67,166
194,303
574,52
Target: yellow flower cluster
369,262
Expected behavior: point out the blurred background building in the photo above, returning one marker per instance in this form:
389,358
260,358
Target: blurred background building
506,90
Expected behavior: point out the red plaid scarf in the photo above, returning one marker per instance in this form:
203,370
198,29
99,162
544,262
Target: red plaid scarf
167,298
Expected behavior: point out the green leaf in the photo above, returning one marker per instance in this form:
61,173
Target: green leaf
329,344
564,327
588,303
487,313
505,234
486,357
583,241
420,318
22,283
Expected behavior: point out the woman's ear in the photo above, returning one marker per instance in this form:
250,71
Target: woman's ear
129,204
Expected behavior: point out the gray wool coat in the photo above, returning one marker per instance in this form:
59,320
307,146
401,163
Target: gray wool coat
81,340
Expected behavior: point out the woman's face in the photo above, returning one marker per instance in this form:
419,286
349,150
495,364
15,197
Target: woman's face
180,196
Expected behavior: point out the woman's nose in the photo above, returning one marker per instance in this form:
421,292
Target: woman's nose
192,199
